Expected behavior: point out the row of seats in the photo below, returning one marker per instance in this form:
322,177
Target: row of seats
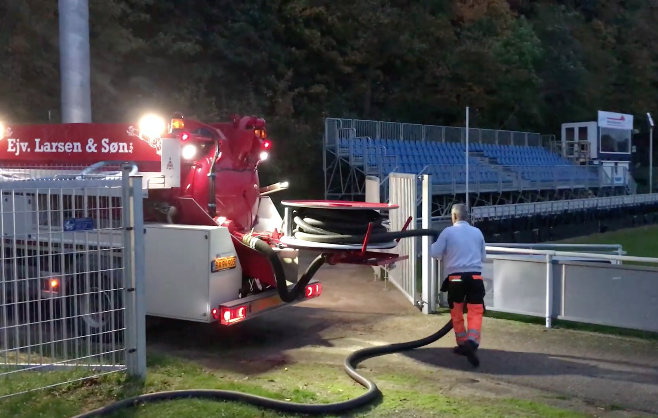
447,174
446,160
561,174
569,224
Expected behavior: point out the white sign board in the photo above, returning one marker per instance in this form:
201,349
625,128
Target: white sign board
170,163
615,120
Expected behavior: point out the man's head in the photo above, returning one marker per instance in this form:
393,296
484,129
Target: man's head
459,213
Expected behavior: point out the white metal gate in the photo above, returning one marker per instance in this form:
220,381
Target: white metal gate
402,192
68,286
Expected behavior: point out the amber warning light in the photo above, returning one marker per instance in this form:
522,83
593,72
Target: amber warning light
177,123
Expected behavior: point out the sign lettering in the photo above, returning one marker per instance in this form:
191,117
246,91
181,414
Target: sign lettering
16,146
81,144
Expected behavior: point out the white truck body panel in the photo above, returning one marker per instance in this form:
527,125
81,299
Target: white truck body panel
178,279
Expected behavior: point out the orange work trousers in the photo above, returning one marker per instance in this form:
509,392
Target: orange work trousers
466,288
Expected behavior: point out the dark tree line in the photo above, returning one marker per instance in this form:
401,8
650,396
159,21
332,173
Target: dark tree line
519,64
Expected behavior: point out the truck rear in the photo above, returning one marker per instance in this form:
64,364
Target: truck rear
211,233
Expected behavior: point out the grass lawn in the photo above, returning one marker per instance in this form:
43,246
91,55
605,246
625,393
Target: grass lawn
404,395
638,242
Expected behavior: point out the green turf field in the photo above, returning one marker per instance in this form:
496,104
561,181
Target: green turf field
638,242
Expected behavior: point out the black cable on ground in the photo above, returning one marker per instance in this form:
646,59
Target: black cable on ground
372,393
313,225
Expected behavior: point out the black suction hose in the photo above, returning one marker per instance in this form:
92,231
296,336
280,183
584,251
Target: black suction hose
329,226
285,294
351,362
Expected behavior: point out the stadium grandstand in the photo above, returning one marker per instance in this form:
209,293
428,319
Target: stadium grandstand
520,183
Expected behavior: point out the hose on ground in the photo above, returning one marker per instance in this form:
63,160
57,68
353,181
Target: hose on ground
351,362
346,227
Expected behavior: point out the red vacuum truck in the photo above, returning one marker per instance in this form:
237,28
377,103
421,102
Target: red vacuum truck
216,248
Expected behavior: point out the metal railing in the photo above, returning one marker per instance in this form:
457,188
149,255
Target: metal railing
591,285
71,292
551,255
336,128
558,206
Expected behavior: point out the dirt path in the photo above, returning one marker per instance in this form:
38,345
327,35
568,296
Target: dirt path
597,374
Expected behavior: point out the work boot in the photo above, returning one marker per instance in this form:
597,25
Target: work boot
460,350
470,349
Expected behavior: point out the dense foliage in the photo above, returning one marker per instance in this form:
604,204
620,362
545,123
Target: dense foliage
519,64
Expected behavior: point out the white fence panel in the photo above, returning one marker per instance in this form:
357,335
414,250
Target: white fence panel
402,192
372,189
580,285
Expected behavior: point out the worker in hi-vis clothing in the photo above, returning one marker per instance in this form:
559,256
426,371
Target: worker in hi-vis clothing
462,250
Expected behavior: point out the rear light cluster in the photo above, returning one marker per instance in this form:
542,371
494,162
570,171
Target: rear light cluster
313,290
265,148
228,316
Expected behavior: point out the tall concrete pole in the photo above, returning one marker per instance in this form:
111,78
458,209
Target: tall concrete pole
74,61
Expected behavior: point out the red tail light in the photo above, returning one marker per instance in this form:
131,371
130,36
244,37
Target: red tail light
230,316
313,290
266,144
184,136
215,314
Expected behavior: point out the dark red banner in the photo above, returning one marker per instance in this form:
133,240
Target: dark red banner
76,144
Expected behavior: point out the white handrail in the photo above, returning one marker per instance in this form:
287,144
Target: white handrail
572,254
598,246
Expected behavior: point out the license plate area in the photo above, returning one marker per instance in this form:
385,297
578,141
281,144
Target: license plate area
223,263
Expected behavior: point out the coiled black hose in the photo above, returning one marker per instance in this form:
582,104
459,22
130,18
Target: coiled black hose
347,227
315,225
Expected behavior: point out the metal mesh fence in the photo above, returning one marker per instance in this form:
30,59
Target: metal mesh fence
62,299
